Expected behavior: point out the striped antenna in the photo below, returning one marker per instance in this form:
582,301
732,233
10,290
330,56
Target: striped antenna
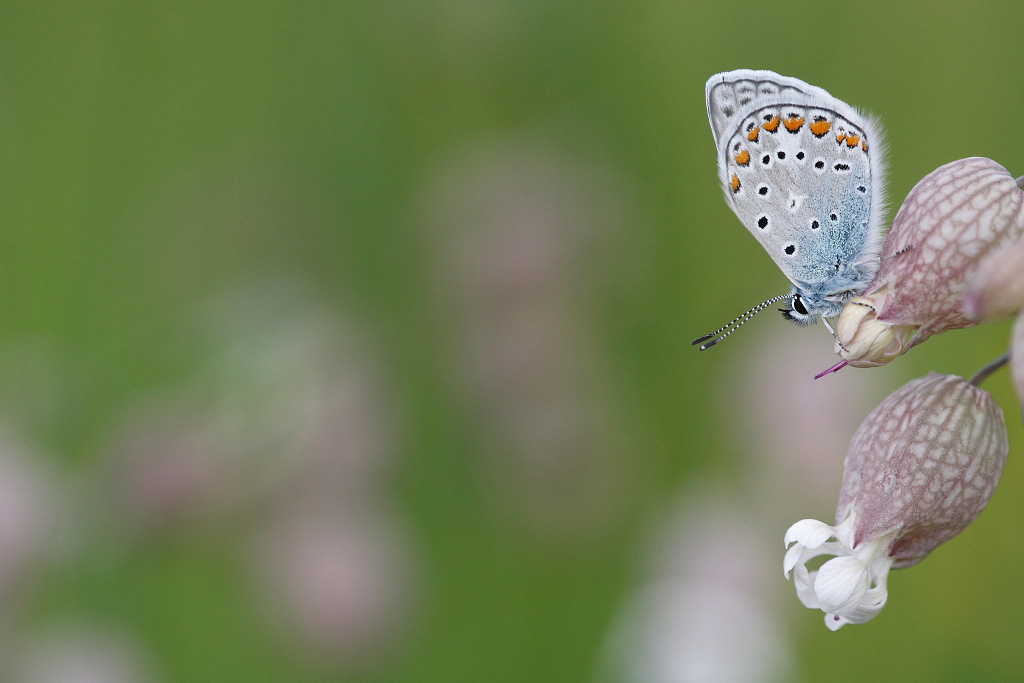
734,325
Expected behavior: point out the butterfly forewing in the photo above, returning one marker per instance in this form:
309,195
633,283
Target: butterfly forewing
798,169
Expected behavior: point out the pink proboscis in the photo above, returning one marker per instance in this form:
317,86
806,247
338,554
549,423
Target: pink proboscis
835,368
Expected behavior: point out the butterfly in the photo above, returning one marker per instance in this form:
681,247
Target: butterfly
803,171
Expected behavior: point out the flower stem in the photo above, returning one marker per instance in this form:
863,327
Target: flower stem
991,367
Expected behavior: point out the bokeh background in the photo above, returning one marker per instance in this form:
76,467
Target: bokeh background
348,341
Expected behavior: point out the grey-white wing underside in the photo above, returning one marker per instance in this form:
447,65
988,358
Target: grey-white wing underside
802,171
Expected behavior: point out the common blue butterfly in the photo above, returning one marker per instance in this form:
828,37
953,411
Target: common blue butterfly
803,171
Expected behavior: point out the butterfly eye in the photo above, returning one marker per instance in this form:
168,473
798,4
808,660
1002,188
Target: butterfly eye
798,305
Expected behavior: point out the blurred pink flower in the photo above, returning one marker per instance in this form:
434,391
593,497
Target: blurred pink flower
336,583
292,401
29,508
921,467
791,428
80,654
952,219
167,467
1017,357
520,225
300,397
691,633
705,613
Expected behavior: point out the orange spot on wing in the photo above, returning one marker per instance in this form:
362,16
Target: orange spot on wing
743,158
840,137
752,135
793,123
770,126
735,183
864,145
820,127
852,140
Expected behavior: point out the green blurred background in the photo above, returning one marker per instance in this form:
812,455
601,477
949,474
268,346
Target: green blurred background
450,252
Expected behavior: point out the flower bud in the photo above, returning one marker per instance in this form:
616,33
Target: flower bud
866,342
920,468
954,217
997,288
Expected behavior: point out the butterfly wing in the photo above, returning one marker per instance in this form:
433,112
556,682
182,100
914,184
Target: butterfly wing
803,172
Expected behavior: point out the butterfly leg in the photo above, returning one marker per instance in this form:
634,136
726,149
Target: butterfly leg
832,332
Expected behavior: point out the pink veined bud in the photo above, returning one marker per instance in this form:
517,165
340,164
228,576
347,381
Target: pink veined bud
926,460
997,288
951,220
920,468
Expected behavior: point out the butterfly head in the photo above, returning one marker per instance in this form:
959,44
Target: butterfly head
797,312
806,305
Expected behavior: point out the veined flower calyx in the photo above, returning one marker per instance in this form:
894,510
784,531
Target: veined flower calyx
920,468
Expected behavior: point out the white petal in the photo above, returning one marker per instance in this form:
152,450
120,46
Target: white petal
851,588
804,583
791,559
872,602
834,621
869,607
809,533
798,554
841,583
